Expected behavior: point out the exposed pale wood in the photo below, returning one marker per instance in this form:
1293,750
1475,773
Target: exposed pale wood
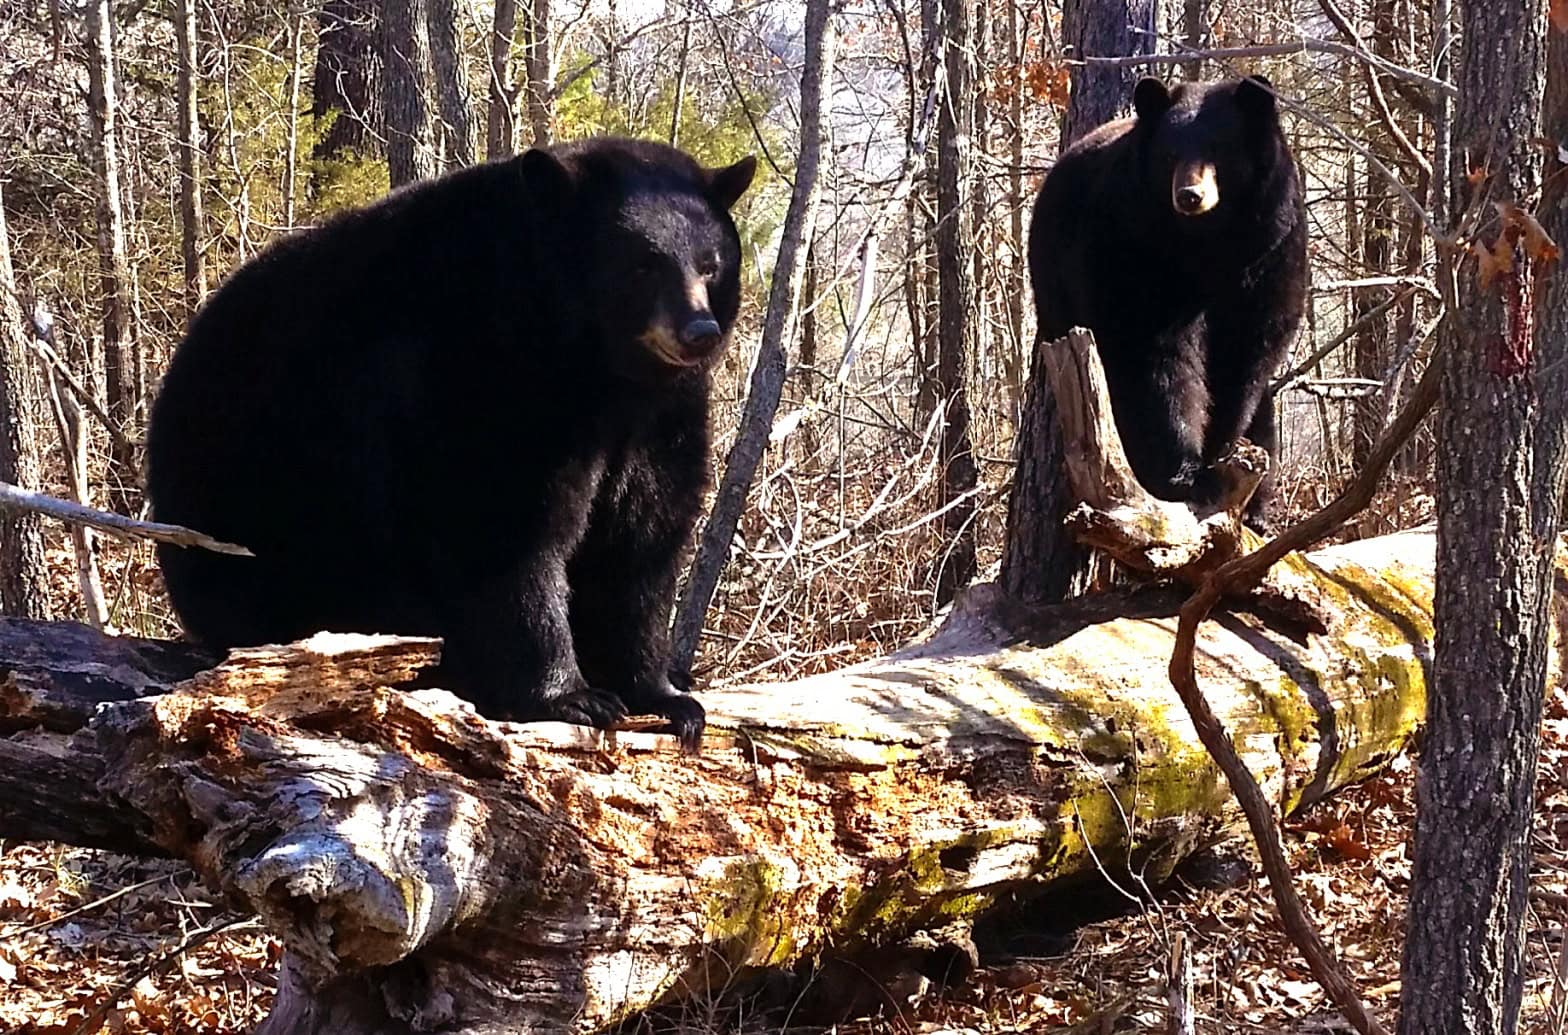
549,878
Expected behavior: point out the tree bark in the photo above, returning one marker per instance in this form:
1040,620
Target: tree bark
296,27
405,60
1104,28
347,83
450,66
24,575
1040,563
501,119
539,61
193,224
114,270
778,329
1500,471
955,298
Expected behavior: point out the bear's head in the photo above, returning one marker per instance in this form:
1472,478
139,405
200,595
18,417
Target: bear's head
1211,152
647,249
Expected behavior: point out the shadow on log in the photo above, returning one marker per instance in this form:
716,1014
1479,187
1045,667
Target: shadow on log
427,869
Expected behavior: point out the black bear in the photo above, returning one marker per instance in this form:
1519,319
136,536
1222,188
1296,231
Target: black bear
1179,237
476,409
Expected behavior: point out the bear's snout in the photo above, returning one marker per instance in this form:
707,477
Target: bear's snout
701,336
1194,188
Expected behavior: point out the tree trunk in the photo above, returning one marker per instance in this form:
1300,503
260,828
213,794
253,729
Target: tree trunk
1500,471
540,64
1195,25
955,299
114,270
1039,562
193,224
24,575
501,120
1018,268
347,86
405,62
450,65
1104,28
778,329
296,26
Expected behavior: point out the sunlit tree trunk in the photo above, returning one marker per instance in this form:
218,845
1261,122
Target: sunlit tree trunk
114,271
500,121
450,67
405,59
296,27
1500,471
955,300
537,57
779,325
24,582
193,228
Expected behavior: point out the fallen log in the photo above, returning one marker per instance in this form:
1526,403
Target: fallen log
426,868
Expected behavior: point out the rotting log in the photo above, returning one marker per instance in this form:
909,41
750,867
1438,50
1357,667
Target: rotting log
427,869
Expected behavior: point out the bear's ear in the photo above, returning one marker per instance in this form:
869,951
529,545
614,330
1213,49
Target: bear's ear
726,185
1150,99
1255,94
544,175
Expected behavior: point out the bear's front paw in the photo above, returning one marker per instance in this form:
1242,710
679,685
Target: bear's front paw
584,707
687,717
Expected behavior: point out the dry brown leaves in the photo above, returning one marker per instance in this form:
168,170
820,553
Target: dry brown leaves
61,963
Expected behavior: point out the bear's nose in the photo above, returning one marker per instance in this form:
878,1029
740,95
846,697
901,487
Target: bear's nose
701,335
1189,200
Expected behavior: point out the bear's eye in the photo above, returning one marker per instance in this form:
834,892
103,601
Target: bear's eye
708,266
646,267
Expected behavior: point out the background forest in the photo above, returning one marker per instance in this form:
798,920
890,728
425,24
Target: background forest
880,369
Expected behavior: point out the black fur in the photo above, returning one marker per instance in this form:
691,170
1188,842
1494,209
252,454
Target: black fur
435,415
1193,313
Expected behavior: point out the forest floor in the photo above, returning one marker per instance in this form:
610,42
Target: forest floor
92,942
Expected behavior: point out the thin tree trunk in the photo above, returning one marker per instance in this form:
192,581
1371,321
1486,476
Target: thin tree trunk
1369,353
404,63
346,86
1500,469
193,224
955,280
450,66
1018,269
114,270
296,71
500,122
541,72
67,412
24,576
680,87
1040,563
1195,23
778,328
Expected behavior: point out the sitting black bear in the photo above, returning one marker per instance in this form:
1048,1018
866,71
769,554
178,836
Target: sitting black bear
476,409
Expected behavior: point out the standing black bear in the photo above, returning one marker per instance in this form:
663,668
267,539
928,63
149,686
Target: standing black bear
476,409
1179,237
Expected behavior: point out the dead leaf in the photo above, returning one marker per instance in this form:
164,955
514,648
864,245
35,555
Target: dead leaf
1493,261
1343,840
